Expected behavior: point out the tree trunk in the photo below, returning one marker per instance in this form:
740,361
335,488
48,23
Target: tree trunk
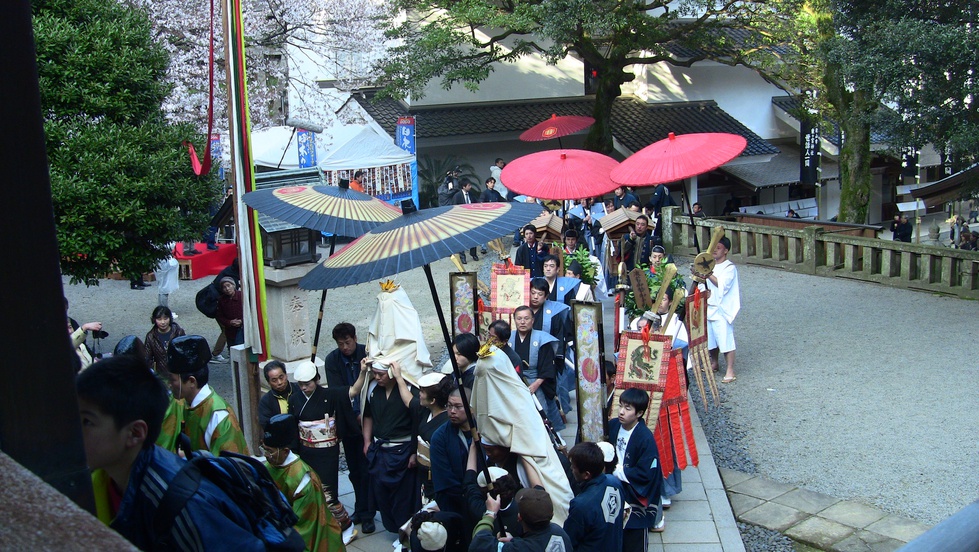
857,181
853,109
609,88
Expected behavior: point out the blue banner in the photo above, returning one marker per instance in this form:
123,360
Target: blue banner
406,134
306,142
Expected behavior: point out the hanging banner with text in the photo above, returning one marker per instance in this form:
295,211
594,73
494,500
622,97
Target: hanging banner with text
406,134
306,143
909,163
809,154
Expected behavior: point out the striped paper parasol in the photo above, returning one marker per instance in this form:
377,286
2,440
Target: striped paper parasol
417,239
329,209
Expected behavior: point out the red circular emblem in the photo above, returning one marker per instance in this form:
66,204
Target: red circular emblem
483,206
589,370
291,190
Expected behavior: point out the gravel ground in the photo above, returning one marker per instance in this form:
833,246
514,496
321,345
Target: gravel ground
859,391
851,389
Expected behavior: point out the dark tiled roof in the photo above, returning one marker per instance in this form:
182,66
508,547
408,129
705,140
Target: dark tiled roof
635,124
736,39
792,106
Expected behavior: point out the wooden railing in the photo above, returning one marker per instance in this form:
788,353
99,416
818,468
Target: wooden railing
814,250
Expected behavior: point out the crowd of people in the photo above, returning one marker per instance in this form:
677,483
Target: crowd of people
413,458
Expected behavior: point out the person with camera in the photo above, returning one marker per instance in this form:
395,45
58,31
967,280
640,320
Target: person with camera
449,187
78,333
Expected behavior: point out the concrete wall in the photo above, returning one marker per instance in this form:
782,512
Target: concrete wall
529,77
737,90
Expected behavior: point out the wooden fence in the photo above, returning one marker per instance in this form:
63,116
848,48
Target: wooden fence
814,250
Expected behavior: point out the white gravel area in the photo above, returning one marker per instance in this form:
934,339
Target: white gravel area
859,391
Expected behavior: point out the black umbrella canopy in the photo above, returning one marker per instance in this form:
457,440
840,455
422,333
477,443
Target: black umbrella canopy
329,209
417,239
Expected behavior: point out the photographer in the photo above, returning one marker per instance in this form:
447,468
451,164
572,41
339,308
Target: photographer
78,334
449,187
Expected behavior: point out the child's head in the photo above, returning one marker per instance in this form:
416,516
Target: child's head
587,461
162,317
632,406
121,405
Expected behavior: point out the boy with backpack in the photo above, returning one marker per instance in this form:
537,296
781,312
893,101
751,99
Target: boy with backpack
121,406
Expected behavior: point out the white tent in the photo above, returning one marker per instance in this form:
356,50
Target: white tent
269,144
388,169
366,149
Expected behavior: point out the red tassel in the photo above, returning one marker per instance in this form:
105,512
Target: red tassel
664,444
676,430
688,433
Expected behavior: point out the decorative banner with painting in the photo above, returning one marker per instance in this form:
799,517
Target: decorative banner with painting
588,353
462,293
696,322
643,364
509,289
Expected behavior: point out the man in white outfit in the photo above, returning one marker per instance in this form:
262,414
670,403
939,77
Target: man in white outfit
723,304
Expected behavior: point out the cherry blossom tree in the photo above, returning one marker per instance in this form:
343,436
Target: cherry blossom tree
292,46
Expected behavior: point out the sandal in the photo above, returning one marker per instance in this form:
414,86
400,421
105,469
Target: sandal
729,380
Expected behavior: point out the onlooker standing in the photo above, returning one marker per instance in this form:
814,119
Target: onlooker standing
698,211
231,311
357,182
531,252
463,197
158,339
901,228
167,277
491,193
496,169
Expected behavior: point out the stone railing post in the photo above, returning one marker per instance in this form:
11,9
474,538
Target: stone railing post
810,248
670,233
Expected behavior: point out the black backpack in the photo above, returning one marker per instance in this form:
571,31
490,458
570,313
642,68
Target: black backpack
207,300
248,484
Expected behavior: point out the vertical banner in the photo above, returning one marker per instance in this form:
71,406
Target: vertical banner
216,154
909,163
249,233
405,139
809,154
462,293
949,162
306,143
592,425
406,134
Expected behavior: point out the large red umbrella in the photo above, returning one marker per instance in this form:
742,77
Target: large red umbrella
560,174
678,157
556,127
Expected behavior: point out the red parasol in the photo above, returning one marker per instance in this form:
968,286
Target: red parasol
556,127
560,174
678,157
